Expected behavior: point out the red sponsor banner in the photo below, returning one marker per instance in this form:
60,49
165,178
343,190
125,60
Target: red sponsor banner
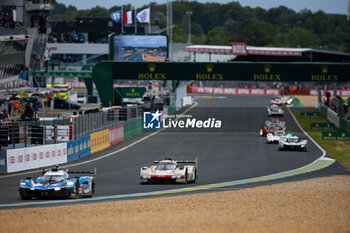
116,134
239,49
234,91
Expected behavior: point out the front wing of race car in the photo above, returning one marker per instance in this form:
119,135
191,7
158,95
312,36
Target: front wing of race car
279,112
301,146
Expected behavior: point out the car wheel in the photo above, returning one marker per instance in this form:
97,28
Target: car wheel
92,190
195,176
24,196
186,177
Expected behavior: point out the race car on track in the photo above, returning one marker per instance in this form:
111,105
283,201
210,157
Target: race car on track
170,170
276,136
57,183
275,121
292,143
270,128
274,110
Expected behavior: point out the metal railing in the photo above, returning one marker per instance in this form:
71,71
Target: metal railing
25,134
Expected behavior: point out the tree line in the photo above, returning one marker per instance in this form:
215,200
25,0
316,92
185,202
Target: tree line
220,24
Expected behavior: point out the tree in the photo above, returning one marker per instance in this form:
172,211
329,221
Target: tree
217,36
254,32
301,37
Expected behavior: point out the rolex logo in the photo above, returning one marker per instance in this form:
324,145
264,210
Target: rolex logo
267,68
152,67
210,68
132,90
324,69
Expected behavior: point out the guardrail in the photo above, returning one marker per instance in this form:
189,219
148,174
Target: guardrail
332,116
94,140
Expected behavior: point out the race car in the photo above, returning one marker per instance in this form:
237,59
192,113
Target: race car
276,101
276,136
57,183
274,110
270,128
292,142
170,170
275,121
287,100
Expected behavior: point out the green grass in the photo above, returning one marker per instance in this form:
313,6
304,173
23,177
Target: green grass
339,150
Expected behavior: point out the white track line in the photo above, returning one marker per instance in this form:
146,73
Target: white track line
107,155
301,128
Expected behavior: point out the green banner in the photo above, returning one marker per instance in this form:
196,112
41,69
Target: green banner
309,114
132,128
322,126
63,74
338,136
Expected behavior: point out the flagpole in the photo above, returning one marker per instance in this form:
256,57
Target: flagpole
135,20
149,23
122,19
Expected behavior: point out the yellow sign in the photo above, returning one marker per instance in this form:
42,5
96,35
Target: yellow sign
267,76
99,140
152,75
209,75
324,76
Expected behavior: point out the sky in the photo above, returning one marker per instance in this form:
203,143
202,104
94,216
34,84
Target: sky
328,6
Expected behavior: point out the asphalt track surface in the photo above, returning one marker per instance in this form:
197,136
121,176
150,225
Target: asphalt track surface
234,152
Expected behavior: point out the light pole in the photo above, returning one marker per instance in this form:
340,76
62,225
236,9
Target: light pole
189,13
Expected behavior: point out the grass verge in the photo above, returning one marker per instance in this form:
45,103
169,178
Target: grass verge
339,150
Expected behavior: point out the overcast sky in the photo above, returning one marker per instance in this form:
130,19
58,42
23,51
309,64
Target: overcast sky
328,6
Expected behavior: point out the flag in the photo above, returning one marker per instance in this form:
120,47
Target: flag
129,17
144,16
116,16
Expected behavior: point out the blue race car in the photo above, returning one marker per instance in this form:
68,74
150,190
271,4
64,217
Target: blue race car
57,183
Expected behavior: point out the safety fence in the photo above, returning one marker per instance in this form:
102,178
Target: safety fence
332,116
13,160
26,134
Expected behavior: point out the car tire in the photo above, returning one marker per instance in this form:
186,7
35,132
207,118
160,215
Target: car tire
24,196
186,178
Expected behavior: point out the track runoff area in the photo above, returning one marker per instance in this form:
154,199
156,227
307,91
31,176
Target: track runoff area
230,156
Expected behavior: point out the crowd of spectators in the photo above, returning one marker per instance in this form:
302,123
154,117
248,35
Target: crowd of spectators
9,70
41,21
8,16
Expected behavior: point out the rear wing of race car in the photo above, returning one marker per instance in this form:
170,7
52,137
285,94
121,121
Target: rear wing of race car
83,172
188,161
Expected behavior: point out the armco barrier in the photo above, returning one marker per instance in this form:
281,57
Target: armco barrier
36,157
99,140
116,134
78,148
132,128
341,123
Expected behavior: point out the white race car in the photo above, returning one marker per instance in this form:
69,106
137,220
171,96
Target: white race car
275,121
275,110
169,170
292,142
276,136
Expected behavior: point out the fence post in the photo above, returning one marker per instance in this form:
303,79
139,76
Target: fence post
25,135
13,134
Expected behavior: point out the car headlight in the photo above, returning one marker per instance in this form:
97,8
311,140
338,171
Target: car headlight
57,189
69,184
23,184
303,145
